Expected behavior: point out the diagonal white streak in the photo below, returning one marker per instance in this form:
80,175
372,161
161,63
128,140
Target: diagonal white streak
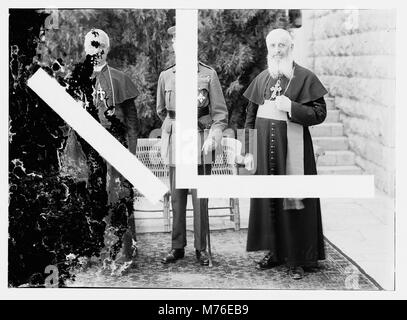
73,113
308,186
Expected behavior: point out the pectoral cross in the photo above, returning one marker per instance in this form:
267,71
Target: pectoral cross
275,90
101,93
201,97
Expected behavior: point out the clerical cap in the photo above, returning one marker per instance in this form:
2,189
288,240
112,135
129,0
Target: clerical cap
96,39
279,33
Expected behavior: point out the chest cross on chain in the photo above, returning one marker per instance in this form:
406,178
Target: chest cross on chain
101,93
275,90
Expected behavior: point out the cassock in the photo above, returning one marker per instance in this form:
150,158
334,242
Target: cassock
293,236
115,91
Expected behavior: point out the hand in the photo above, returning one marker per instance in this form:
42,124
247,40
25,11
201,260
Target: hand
283,103
248,161
209,145
110,112
239,159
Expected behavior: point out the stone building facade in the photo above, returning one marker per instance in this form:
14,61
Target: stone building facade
353,53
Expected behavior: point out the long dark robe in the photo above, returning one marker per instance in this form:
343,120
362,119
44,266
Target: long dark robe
120,191
294,237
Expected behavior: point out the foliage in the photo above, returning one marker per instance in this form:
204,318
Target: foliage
139,44
38,196
55,219
233,42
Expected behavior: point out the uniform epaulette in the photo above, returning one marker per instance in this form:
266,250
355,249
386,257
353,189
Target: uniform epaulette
205,65
169,67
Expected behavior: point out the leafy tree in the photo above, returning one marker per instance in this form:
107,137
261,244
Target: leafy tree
48,213
55,219
233,42
139,43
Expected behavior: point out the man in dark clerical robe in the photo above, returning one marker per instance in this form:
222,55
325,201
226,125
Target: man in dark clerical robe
114,95
212,116
283,101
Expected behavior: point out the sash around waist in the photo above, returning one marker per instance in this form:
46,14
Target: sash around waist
201,112
268,110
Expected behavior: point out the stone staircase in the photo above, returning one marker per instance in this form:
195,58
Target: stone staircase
329,135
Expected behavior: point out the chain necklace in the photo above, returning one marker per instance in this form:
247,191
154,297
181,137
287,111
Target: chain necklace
276,89
102,93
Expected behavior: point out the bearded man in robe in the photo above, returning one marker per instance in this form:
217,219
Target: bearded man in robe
284,100
114,95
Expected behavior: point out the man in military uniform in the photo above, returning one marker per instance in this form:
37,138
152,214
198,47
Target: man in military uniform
114,95
212,117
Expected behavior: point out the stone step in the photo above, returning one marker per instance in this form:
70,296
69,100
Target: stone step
325,170
332,116
331,143
337,158
330,103
327,130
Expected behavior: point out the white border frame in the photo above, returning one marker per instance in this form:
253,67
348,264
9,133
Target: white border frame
147,294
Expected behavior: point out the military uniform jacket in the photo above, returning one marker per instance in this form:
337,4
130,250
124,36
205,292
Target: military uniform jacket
212,110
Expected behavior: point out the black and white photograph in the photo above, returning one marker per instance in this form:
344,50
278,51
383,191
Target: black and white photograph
93,200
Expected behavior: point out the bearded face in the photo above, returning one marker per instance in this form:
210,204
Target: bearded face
97,45
279,57
99,53
100,57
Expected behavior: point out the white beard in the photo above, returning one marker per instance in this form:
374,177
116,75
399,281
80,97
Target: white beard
98,67
278,67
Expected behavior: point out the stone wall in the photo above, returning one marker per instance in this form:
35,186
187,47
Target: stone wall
353,53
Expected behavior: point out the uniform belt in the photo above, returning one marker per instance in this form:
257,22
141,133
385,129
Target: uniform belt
268,110
171,114
203,111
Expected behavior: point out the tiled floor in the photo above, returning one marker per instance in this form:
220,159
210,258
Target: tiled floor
362,228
